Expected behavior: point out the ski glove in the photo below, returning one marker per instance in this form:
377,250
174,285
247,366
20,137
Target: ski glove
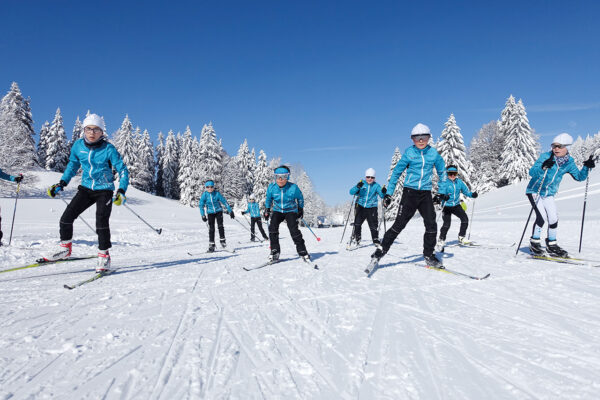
444,197
57,187
387,200
300,213
384,190
360,184
19,178
204,218
474,195
590,163
119,197
267,214
231,214
549,163
243,212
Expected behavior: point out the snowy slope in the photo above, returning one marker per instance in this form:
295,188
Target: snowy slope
170,325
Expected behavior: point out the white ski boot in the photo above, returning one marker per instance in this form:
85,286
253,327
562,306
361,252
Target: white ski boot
464,242
103,266
64,251
439,247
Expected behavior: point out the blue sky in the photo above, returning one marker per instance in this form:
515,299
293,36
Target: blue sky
335,86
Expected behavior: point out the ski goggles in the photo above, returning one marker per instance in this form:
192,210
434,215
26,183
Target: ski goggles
418,138
370,177
209,187
282,176
558,146
452,173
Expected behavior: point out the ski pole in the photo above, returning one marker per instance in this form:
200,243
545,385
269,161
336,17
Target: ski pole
159,230
471,222
80,217
441,212
348,218
587,182
311,231
246,228
383,216
14,213
531,212
250,225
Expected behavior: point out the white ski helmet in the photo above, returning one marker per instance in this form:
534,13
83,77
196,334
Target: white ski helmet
370,172
564,138
420,129
94,119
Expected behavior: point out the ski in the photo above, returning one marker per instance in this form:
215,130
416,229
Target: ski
309,262
449,271
561,260
41,261
92,279
352,248
373,265
259,266
232,251
475,244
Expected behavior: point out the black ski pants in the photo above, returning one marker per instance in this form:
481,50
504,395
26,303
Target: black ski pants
218,216
413,200
256,221
447,213
84,199
370,214
291,218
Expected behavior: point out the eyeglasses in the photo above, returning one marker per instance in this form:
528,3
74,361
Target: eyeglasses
370,177
418,138
90,130
558,146
282,176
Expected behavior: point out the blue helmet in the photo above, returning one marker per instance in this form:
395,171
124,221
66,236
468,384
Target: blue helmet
452,168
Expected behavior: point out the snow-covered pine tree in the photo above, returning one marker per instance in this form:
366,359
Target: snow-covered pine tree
17,145
452,149
77,132
578,151
170,165
520,145
392,210
186,175
159,152
314,206
263,176
42,146
125,142
57,146
126,130
210,155
246,163
232,186
484,155
145,164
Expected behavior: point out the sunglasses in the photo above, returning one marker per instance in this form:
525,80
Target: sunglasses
418,138
370,177
452,173
558,146
210,187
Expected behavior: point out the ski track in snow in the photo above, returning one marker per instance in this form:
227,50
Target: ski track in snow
168,325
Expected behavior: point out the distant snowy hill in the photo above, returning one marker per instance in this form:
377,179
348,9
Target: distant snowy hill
174,322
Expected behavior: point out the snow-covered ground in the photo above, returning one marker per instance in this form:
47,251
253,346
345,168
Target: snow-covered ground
169,325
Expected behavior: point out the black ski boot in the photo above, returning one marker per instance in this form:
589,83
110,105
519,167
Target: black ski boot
211,247
377,243
433,261
274,256
554,250
378,254
223,243
535,247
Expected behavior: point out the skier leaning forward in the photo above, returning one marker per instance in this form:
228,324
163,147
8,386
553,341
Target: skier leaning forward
288,203
97,158
212,200
366,206
254,211
450,191
419,161
548,171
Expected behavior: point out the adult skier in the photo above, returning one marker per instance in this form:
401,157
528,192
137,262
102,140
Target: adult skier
546,174
449,192
254,211
418,161
97,158
366,206
288,205
11,178
212,200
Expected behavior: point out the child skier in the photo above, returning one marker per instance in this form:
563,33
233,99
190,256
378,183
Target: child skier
212,200
419,161
254,211
97,158
366,206
546,174
288,203
449,191
7,177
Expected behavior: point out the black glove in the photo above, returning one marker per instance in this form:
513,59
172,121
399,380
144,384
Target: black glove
231,214
300,212
243,212
360,184
474,195
19,178
204,218
267,214
57,187
590,163
387,200
384,190
437,199
444,197
549,163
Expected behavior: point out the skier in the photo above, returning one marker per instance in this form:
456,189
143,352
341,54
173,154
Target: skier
546,174
254,211
419,161
97,158
7,177
449,192
212,200
288,203
366,206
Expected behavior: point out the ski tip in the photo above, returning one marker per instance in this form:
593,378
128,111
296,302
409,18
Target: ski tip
69,287
484,277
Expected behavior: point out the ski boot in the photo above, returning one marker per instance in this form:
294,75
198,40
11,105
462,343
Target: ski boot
535,247
378,254
433,261
554,250
377,243
274,256
463,242
63,252
211,247
253,239
439,247
223,243
103,265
